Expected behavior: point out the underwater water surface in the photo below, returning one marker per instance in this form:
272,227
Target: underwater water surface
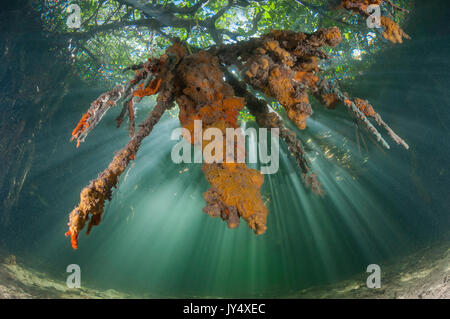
154,239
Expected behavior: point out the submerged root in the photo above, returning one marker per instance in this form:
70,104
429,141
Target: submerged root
392,31
235,188
282,65
95,113
93,196
362,110
235,193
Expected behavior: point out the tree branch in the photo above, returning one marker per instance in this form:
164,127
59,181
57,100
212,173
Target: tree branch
153,24
166,16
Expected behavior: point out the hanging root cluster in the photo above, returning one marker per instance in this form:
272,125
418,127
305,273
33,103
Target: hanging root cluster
282,65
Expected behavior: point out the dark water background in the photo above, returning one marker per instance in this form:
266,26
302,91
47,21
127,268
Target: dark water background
155,240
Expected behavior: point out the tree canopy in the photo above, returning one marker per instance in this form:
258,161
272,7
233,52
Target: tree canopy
117,33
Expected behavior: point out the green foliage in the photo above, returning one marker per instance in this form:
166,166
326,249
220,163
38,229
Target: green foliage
99,53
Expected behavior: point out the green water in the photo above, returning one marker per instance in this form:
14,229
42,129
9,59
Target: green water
155,240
